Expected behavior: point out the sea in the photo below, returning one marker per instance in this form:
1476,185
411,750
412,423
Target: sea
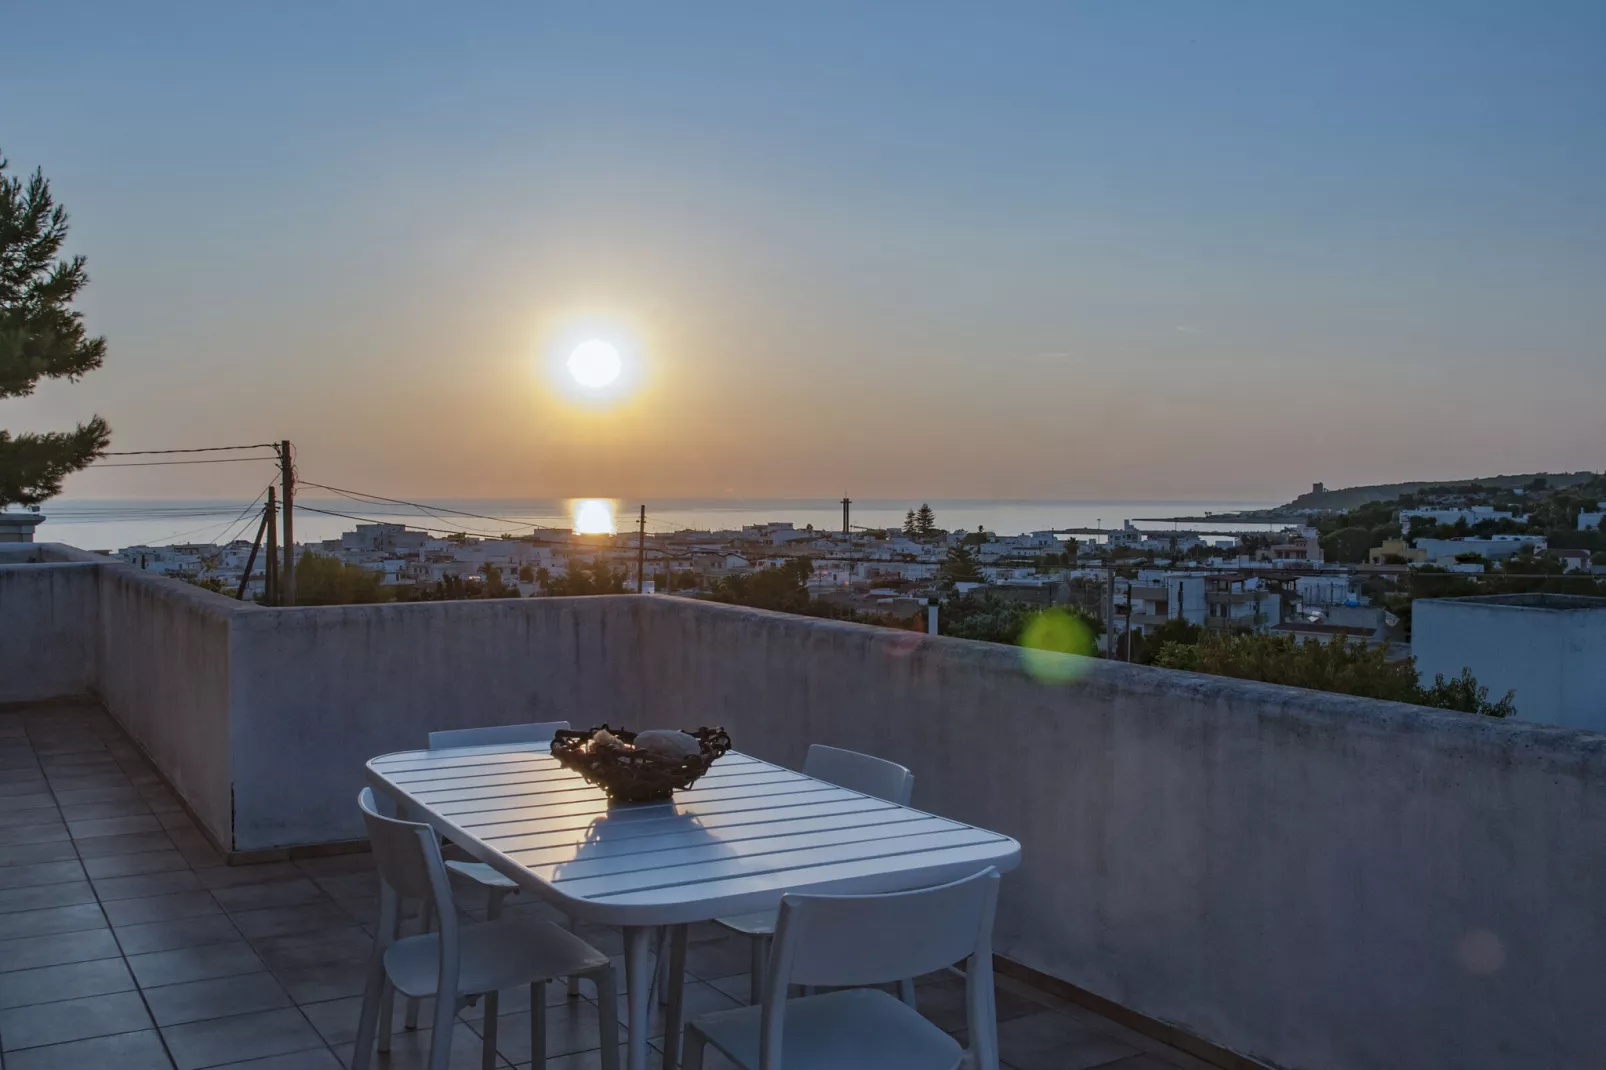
110,524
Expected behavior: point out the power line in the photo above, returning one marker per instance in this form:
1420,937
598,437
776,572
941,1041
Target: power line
371,520
193,449
210,460
435,511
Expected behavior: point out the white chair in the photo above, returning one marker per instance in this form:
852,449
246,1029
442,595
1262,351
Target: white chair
497,886
460,960
829,940
849,769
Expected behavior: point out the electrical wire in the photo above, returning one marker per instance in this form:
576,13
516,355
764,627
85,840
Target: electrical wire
433,510
370,520
209,460
192,449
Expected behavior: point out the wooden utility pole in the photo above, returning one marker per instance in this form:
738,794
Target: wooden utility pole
288,474
270,592
641,552
250,562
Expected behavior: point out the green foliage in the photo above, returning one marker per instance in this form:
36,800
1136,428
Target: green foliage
41,337
783,587
1348,545
329,581
526,573
925,522
598,579
986,617
1463,693
1145,648
1347,668
960,566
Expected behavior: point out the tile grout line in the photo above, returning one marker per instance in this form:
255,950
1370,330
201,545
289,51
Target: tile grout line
160,1038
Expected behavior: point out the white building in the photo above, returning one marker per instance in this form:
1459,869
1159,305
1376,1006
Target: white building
1550,649
1590,521
1472,514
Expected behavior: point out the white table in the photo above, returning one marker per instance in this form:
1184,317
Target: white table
744,835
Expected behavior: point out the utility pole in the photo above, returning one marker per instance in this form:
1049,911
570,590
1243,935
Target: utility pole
245,578
846,501
641,552
288,474
270,593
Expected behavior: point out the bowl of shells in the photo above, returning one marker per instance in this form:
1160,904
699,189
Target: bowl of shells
640,766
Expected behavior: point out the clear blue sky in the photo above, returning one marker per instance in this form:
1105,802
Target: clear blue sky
1015,250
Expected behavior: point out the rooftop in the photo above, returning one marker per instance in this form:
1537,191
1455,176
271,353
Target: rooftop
127,942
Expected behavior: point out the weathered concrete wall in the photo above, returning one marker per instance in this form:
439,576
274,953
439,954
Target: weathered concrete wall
1548,649
1314,880
317,691
163,674
48,632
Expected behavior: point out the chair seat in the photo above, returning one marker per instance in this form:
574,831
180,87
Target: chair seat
494,955
760,924
481,873
856,1029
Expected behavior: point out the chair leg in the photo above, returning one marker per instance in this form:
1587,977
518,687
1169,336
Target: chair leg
758,954
574,982
693,1059
440,1041
425,923
608,1016
493,908
387,1006
906,992
368,1020
538,1027
492,1006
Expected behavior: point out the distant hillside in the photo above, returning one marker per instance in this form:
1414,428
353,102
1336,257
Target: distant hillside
1350,497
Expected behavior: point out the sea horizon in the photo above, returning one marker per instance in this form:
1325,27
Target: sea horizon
113,523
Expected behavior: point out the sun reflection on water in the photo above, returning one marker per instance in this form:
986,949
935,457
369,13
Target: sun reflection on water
592,516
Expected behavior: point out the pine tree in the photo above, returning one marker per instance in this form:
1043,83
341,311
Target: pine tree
41,337
925,522
909,528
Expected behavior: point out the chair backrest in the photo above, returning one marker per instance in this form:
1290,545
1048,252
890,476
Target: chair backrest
860,772
408,857
857,940
541,732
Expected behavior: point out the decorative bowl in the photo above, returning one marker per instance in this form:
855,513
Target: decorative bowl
629,775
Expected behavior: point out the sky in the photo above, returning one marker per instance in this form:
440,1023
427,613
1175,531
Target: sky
1158,250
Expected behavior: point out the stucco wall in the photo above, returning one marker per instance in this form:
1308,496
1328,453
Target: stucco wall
48,633
1314,880
1552,653
163,674
317,691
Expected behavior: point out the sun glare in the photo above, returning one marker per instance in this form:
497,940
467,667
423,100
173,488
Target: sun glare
595,364
593,516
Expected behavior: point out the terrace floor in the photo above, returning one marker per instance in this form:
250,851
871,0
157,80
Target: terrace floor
126,942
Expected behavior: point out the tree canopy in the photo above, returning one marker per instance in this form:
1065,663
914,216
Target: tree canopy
1348,668
41,337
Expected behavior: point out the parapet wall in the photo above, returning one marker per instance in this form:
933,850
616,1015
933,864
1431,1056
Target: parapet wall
1309,879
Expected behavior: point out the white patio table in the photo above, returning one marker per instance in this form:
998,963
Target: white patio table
744,835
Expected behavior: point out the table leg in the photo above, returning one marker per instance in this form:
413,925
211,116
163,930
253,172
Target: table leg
639,971
673,1023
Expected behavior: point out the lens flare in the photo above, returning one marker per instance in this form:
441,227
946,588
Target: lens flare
593,516
1049,643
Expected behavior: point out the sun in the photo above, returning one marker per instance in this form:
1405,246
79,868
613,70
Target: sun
595,364
593,516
